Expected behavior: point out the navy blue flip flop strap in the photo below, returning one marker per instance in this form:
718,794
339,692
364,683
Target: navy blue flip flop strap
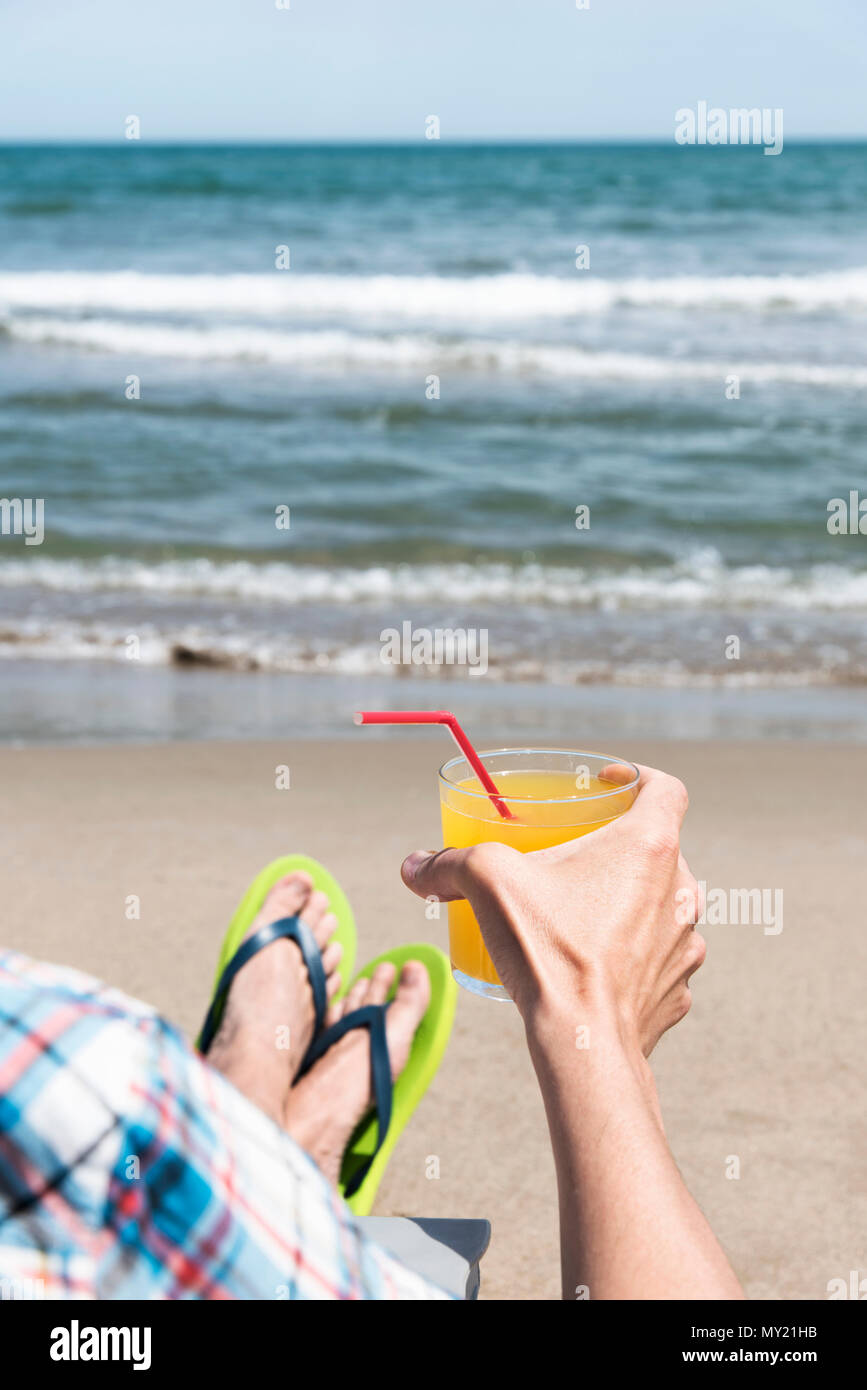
293,929
372,1017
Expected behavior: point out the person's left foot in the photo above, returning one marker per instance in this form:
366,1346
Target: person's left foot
268,1021
327,1103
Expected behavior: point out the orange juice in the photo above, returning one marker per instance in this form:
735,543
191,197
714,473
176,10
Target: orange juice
559,798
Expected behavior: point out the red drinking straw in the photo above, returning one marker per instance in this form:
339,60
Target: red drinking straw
439,716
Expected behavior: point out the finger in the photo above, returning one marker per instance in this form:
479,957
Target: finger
696,954
620,773
661,800
441,874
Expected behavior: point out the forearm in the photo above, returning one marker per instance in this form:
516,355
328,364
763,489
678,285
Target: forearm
628,1226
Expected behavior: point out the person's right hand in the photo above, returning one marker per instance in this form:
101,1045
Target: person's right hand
602,923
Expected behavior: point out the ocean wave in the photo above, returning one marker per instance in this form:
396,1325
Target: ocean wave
500,298
335,349
700,581
192,646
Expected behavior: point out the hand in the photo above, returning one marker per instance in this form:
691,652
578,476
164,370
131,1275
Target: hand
604,922
600,931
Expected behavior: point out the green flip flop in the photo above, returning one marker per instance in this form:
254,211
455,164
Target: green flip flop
373,1141
232,956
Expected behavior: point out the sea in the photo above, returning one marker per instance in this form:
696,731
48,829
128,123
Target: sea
592,401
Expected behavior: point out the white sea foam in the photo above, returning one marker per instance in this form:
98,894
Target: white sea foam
328,350
191,645
700,581
493,297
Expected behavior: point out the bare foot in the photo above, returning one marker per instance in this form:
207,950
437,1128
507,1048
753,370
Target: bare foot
324,1107
268,1021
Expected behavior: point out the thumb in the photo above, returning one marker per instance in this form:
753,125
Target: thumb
436,873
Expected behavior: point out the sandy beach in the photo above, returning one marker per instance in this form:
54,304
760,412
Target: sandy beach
767,1068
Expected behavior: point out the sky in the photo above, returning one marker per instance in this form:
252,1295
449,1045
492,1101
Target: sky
376,69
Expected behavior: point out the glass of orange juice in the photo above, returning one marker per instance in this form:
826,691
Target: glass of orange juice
554,795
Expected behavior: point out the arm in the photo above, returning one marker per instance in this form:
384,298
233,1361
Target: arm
599,934
628,1226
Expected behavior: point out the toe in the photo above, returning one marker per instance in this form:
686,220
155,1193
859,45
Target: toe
335,1010
357,995
315,909
287,897
324,929
413,989
381,982
331,957
406,1013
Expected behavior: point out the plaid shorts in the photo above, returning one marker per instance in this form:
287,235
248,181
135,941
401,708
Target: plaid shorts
131,1169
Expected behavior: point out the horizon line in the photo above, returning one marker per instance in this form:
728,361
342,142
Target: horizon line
404,141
